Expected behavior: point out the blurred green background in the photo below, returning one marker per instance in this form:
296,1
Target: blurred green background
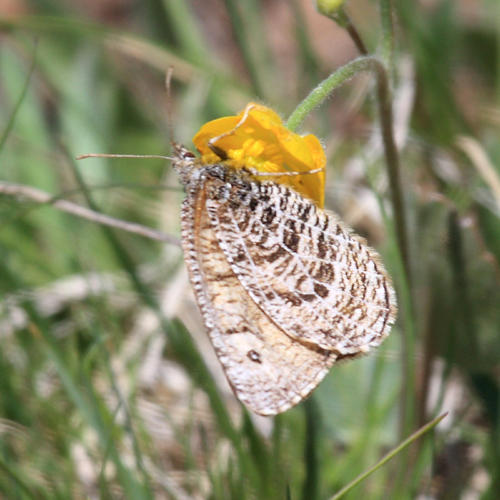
108,385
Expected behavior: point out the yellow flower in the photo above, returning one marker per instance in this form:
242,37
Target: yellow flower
257,138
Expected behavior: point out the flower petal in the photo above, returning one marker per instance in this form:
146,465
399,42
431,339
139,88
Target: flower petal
258,139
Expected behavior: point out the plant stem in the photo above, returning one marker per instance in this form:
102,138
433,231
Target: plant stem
340,16
393,166
355,36
325,88
238,26
10,123
39,196
387,33
427,427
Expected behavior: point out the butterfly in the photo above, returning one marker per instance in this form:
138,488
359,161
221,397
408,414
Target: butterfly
284,287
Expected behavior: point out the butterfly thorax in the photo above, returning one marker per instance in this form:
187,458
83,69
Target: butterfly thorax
185,163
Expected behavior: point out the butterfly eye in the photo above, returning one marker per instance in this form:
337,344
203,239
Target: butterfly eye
187,154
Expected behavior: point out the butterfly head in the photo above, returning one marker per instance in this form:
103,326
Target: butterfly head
184,162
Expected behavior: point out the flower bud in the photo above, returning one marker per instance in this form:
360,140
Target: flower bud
329,8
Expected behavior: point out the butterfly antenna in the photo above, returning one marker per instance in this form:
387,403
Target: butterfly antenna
168,80
170,114
112,155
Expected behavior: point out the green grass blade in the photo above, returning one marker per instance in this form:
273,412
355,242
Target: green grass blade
416,435
22,95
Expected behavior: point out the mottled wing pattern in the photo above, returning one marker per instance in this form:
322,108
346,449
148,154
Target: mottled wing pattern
317,282
268,370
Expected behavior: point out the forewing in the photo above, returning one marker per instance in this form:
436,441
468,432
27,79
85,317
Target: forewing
305,269
268,370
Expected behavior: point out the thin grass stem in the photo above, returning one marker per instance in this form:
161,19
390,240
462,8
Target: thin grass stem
17,107
42,197
238,25
417,434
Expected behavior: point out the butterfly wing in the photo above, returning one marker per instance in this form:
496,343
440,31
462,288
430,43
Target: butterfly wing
268,370
304,268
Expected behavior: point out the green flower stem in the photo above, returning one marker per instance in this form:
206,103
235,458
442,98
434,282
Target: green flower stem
355,36
387,33
323,91
325,88
336,12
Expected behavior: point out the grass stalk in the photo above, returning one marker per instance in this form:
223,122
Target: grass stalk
17,106
239,31
416,435
387,25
